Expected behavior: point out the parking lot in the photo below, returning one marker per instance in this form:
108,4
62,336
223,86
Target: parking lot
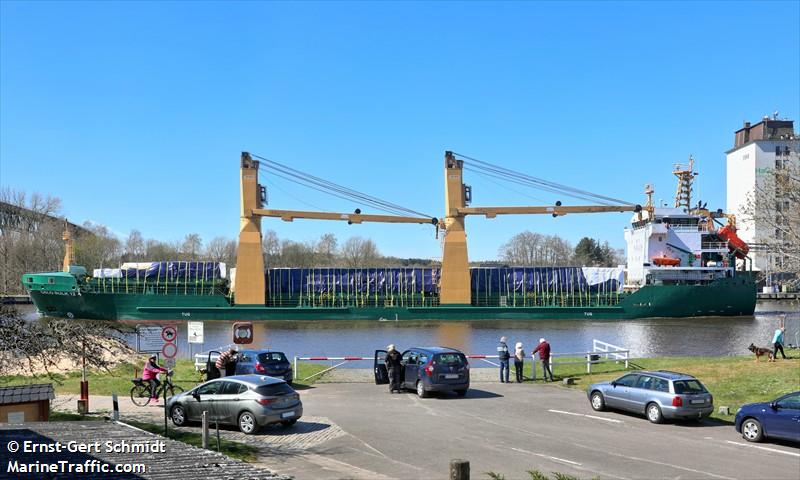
511,428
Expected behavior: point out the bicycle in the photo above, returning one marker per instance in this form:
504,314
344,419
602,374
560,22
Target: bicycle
141,392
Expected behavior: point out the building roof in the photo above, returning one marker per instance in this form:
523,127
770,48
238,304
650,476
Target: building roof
26,393
178,461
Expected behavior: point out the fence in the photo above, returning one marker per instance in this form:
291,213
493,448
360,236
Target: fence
602,352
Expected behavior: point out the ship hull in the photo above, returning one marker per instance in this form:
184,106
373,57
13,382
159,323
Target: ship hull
722,297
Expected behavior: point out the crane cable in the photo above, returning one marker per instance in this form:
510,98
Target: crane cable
541,183
334,189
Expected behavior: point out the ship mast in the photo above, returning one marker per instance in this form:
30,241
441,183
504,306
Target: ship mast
685,174
69,251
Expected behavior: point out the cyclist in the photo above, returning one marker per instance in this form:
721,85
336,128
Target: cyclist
150,374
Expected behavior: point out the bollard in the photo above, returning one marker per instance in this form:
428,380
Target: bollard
115,407
216,424
205,429
459,469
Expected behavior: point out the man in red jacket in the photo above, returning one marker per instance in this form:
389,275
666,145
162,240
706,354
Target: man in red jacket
544,356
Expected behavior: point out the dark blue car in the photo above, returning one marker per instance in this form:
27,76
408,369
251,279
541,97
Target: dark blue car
428,369
779,418
264,362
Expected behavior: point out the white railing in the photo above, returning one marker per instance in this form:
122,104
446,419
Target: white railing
201,358
602,352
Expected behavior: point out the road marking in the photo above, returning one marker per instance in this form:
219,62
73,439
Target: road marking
776,450
562,460
612,420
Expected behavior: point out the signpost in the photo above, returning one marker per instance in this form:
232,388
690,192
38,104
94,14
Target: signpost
149,339
195,330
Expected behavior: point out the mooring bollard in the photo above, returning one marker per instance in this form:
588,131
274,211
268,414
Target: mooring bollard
459,469
205,430
115,407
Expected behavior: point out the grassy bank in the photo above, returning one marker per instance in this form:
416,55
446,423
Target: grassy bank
733,381
119,378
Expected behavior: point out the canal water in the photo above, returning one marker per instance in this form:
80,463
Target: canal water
703,336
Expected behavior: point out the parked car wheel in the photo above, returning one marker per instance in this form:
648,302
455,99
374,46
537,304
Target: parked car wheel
598,402
752,430
247,423
421,389
178,415
288,423
654,413
461,393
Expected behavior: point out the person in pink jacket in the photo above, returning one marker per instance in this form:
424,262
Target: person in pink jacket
150,374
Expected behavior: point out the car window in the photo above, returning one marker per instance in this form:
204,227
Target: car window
423,358
272,357
407,357
229,388
791,402
660,385
645,382
688,387
449,359
209,388
627,380
274,389
245,358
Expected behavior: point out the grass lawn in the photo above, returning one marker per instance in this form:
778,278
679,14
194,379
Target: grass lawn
119,378
733,381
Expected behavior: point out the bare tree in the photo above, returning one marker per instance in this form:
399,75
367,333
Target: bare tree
221,249
192,245
774,206
134,246
326,249
358,252
35,347
534,249
102,249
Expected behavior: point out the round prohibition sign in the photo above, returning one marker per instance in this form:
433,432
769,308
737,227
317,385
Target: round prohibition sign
169,350
169,334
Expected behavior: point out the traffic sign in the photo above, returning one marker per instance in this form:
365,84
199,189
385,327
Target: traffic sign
148,339
169,350
195,332
169,334
243,332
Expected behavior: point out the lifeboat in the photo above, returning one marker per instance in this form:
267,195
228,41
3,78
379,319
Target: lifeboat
665,261
735,244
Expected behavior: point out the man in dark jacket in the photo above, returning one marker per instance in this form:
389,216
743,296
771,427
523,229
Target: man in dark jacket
544,356
503,356
393,366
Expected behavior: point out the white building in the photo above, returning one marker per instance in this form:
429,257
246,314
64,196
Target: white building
760,150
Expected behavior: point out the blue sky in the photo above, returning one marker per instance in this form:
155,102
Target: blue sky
134,114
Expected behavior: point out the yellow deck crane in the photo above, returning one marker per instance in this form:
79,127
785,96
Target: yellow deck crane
454,288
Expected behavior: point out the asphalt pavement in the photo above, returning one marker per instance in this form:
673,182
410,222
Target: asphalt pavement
512,428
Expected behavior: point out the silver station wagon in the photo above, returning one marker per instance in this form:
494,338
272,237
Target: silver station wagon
658,395
247,401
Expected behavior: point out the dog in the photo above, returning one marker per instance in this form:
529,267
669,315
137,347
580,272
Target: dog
759,351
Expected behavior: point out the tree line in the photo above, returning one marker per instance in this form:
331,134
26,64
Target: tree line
24,250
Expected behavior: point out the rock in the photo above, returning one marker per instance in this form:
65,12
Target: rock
569,381
724,410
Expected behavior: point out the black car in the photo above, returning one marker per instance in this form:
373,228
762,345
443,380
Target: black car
428,369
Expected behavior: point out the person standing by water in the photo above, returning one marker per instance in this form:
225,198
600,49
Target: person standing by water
503,356
393,366
519,361
544,355
777,342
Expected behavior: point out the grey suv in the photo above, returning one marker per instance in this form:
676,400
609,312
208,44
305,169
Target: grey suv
428,369
656,394
247,401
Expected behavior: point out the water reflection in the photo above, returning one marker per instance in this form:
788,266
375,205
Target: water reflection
646,338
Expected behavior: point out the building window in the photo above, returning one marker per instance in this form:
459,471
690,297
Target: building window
778,150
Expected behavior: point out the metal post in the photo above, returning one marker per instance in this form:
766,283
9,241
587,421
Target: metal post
205,429
588,363
295,367
533,368
165,408
216,424
115,407
459,469
627,352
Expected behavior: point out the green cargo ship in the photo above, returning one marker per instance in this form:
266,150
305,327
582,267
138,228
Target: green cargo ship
679,264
